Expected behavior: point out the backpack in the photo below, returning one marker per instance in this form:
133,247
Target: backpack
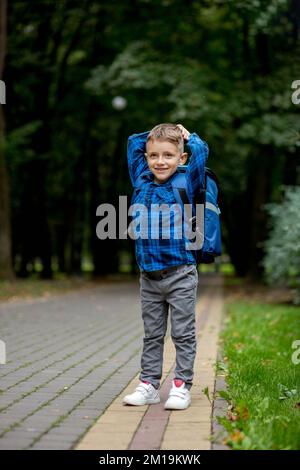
210,228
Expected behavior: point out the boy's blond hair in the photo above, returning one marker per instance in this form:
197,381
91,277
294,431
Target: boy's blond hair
167,132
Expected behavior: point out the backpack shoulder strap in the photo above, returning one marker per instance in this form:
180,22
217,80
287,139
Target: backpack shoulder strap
179,185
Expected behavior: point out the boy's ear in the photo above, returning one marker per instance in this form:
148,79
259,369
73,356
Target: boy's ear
145,155
183,158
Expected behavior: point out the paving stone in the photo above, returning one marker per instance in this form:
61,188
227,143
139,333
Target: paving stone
41,342
56,335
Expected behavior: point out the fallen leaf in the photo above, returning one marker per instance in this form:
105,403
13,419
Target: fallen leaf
237,437
232,416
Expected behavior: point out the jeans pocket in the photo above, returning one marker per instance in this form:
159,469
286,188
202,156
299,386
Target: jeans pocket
191,274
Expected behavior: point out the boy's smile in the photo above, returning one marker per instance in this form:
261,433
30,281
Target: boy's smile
163,158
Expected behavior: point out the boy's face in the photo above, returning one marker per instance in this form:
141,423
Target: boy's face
163,159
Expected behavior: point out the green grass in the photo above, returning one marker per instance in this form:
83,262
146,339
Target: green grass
263,382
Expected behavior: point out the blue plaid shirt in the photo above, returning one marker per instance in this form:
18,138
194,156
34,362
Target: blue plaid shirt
152,252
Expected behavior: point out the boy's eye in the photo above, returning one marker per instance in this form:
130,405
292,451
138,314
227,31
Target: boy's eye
167,155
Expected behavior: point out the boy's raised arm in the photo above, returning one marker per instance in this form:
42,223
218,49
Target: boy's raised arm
196,165
136,148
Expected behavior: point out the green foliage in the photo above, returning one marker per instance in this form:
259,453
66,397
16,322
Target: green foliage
205,391
282,259
17,142
262,13
224,69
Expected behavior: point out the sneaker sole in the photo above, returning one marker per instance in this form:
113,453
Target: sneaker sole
154,401
176,407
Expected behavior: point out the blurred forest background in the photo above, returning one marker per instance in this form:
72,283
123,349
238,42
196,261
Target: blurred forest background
224,69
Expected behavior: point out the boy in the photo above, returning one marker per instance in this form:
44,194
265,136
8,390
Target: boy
169,276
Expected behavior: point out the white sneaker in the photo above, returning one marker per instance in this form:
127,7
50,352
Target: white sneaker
179,396
144,394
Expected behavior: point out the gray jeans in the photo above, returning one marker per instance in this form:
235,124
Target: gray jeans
178,290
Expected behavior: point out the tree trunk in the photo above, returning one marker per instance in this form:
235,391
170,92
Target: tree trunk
5,228
259,176
235,217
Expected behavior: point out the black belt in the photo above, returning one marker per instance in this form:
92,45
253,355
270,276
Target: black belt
160,274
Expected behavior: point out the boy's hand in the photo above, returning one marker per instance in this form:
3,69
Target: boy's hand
185,133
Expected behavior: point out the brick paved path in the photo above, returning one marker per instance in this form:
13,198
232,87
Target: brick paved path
69,359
